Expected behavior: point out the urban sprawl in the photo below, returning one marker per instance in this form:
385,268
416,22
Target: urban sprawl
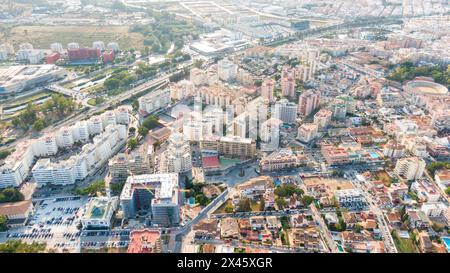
225,126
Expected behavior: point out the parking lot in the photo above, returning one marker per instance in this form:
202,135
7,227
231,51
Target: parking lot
97,239
55,223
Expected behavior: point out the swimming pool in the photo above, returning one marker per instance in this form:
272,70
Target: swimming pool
446,243
374,155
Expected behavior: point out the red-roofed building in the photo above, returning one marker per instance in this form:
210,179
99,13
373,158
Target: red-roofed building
108,56
52,58
210,162
83,54
144,241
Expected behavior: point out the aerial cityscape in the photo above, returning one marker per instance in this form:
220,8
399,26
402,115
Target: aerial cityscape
252,126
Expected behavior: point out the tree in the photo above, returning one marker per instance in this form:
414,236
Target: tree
111,83
244,205
437,227
142,130
198,63
150,122
281,203
116,188
262,205
38,125
17,246
229,208
132,143
10,195
288,190
358,228
201,199
3,221
307,200
447,191
92,189
4,154
338,173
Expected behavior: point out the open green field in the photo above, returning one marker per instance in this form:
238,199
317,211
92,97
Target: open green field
404,245
221,209
43,36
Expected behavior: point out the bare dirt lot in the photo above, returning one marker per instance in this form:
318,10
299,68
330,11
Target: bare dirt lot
43,36
332,184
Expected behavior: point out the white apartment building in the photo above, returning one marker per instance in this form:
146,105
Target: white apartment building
285,111
56,47
108,118
122,115
113,46
154,101
73,45
95,125
410,168
436,209
164,204
99,45
178,154
64,137
61,173
270,134
307,132
45,146
16,167
393,149
426,190
80,131
226,70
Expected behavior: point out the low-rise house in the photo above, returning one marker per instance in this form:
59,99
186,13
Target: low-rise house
244,226
426,191
351,199
437,212
305,238
273,222
298,221
394,219
269,199
418,220
442,177
208,228
17,213
229,228
425,242
361,242
257,222
210,191
399,188
255,187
